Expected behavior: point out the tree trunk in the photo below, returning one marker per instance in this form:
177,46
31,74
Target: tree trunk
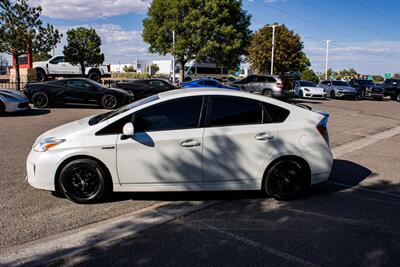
181,71
17,76
83,69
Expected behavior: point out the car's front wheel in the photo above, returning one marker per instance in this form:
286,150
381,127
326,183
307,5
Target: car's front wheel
398,98
267,93
40,100
287,179
333,94
301,94
109,102
83,181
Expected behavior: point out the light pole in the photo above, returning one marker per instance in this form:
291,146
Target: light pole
273,47
326,58
173,57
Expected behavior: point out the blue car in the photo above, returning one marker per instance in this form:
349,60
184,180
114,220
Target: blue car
207,83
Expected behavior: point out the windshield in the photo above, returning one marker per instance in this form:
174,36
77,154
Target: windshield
339,83
108,115
306,83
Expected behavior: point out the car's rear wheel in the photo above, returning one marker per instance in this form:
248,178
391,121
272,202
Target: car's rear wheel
109,102
83,181
95,76
287,179
40,100
40,75
267,93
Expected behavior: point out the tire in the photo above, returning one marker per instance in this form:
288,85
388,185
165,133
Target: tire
287,179
301,94
84,181
333,94
393,97
2,108
398,98
109,102
267,93
94,75
40,75
40,100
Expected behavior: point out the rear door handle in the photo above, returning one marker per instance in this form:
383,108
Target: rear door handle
263,137
190,143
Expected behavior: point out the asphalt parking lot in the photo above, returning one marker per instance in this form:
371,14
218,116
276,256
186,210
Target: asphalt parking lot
352,220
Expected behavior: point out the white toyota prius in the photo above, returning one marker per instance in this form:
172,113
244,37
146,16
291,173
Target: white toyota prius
186,140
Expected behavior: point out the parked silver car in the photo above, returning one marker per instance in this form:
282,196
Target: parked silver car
268,85
339,89
12,101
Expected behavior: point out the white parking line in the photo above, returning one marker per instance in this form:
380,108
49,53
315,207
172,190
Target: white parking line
248,242
347,148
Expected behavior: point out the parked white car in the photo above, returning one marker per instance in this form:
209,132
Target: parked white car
58,67
307,89
13,101
186,140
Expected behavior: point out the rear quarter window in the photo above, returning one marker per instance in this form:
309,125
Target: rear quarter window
276,113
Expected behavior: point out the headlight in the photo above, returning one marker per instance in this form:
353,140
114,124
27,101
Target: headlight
47,143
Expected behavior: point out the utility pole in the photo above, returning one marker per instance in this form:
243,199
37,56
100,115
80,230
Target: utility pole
273,46
173,57
326,58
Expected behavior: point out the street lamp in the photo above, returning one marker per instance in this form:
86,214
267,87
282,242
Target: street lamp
273,46
326,58
173,57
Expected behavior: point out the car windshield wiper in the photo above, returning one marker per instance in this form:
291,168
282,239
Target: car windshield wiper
96,119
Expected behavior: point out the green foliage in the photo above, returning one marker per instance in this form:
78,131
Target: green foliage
215,30
41,57
309,75
20,26
347,74
129,69
288,56
130,75
83,48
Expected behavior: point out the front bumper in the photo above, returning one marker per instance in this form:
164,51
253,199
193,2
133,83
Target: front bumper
41,169
311,95
346,94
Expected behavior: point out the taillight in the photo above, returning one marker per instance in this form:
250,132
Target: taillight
322,128
279,84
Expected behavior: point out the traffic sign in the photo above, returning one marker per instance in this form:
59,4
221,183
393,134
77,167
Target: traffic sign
387,75
370,77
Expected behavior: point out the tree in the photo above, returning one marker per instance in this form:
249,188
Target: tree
288,56
309,75
214,30
41,57
127,68
20,27
83,48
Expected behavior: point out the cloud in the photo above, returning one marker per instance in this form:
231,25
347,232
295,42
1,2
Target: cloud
118,45
78,9
374,57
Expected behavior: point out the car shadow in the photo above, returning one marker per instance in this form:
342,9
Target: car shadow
28,113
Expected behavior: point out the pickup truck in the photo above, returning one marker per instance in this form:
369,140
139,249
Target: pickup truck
392,88
57,67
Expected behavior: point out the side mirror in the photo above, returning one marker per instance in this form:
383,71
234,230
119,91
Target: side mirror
128,129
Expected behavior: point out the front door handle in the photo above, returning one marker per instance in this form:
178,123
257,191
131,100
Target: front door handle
190,143
263,136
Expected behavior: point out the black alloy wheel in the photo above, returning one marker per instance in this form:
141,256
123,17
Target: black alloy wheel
40,100
287,179
109,102
333,94
95,76
83,181
40,75
268,93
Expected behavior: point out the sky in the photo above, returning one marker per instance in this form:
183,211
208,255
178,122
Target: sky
366,33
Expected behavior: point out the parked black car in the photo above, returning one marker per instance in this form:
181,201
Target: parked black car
392,88
144,88
367,89
76,90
